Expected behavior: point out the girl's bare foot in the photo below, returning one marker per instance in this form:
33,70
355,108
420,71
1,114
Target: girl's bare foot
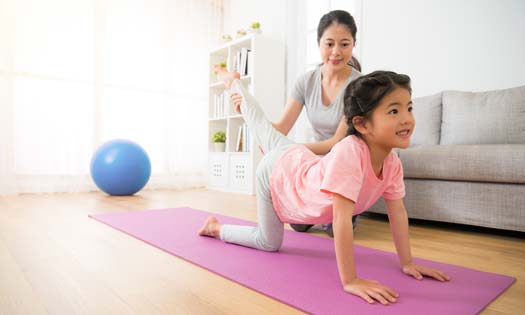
226,77
211,227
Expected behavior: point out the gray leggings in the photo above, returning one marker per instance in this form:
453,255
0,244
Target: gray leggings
268,235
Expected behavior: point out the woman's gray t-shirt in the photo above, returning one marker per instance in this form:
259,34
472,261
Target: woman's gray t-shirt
324,119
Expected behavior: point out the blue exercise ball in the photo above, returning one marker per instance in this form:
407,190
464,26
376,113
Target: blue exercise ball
120,167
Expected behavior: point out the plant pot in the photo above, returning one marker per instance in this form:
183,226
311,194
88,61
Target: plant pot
219,146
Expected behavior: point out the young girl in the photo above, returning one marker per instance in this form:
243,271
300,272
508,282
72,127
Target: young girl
293,185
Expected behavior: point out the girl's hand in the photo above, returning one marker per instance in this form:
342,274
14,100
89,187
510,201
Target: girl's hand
371,291
236,101
418,272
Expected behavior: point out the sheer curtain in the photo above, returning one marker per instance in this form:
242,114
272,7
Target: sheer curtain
74,74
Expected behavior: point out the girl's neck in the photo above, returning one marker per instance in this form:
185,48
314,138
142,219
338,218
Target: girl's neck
335,75
378,155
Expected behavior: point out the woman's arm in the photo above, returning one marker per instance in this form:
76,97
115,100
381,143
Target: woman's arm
323,147
292,110
398,218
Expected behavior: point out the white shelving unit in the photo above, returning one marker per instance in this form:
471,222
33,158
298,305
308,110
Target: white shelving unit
232,170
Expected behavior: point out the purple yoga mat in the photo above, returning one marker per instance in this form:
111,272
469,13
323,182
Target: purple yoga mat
303,273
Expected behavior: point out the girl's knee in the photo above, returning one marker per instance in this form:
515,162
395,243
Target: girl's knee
271,244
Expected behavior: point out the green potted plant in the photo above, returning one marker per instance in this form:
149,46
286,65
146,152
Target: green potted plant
255,27
219,141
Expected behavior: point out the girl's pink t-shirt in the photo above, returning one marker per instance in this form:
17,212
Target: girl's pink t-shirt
302,183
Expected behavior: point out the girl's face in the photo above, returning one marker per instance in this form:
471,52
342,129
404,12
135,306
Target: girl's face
392,122
336,46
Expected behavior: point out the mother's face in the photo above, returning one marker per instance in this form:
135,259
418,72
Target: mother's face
336,46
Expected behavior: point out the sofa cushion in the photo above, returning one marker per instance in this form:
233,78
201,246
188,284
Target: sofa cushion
427,112
503,163
493,117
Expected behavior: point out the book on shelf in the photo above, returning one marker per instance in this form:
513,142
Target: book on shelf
242,59
247,136
221,102
239,147
226,103
216,106
248,57
243,139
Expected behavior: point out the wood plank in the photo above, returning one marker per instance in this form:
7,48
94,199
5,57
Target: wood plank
16,294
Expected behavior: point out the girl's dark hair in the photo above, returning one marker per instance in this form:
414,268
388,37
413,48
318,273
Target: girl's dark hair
343,18
364,94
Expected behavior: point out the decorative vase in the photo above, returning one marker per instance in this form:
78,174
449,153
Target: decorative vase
219,146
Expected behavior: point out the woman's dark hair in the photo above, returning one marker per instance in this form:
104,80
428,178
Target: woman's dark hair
343,18
364,94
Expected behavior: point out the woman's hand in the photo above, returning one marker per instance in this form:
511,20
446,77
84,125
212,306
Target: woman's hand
371,291
418,272
236,101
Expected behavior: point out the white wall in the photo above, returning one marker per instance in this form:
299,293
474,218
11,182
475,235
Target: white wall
469,45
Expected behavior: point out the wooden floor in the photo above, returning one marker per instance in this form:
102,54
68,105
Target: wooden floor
55,260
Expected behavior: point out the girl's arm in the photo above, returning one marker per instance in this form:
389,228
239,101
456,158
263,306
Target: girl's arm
323,147
369,290
398,218
344,238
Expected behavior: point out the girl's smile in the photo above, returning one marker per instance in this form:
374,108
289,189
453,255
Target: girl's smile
404,133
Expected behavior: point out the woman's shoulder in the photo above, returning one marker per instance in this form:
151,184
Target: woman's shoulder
310,74
307,80
355,74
